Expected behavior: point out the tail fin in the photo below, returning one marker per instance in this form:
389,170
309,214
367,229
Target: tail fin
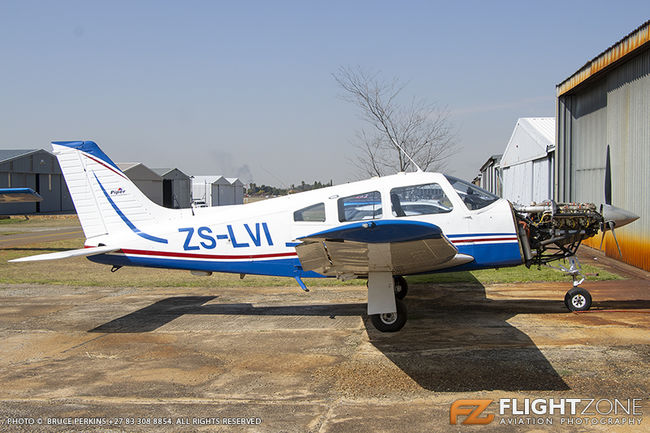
107,202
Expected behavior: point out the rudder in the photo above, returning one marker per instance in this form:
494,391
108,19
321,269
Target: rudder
106,200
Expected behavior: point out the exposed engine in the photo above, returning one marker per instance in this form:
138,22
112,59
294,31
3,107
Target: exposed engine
550,231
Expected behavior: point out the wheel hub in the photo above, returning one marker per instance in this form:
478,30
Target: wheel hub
578,301
388,318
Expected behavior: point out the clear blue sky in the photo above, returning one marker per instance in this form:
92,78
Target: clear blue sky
216,87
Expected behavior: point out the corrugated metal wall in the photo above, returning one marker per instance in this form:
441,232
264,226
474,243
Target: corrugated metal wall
612,109
181,190
541,181
490,180
514,189
537,184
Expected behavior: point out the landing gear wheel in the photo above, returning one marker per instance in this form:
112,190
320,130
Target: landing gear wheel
390,322
577,299
401,287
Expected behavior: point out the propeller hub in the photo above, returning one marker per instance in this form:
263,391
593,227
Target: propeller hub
616,216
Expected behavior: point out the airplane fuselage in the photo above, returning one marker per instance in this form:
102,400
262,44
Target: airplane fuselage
260,237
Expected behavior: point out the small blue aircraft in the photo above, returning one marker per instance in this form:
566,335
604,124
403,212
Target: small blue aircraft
19,195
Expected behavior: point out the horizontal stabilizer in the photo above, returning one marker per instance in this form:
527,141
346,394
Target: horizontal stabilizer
82,252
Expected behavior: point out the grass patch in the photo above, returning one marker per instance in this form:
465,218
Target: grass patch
82,272
13,221
517,274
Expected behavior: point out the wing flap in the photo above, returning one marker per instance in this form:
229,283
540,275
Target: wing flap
82,252
336,257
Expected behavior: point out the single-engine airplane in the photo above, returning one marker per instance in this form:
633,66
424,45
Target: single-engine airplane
380,229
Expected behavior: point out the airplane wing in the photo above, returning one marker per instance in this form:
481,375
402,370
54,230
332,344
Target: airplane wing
401,247
19,195
82,252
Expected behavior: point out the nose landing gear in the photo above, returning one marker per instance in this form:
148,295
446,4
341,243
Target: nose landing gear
577,298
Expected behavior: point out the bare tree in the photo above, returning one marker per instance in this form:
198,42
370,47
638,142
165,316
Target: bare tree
421,129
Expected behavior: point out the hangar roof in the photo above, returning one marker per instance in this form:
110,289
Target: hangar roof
494,159
166,173
9,154
138,171
219,180
622,49
533,138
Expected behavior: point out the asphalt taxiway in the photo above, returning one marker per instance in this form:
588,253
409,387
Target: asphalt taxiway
278,359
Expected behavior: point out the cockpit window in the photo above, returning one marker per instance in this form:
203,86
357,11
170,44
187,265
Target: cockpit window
314,213
473,196
419,200
366,206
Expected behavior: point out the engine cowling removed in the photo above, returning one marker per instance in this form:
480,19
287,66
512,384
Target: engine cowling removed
550,231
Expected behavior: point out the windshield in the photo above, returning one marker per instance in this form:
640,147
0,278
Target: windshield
473,196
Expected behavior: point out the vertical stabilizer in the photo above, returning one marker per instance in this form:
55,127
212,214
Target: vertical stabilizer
107,202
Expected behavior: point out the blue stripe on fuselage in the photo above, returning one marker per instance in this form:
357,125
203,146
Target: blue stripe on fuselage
273,267
490,255
486,256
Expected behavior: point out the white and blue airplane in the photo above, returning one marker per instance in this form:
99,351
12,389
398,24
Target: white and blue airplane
381,229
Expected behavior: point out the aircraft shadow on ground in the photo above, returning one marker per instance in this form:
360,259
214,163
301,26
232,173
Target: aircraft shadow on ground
456,339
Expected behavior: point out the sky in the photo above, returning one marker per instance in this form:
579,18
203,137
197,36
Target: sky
245,88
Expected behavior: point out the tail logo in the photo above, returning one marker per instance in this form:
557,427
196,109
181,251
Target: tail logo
127,221
118,191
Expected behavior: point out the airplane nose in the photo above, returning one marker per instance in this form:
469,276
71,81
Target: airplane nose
618,216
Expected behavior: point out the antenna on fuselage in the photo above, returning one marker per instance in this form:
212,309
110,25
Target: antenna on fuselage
407,155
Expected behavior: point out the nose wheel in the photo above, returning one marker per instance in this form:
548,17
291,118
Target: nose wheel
577,299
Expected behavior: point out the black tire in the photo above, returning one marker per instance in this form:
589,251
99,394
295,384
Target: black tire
390,322
401,287
577,299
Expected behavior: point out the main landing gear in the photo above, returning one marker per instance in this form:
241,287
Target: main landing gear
385,307
391,322
401,287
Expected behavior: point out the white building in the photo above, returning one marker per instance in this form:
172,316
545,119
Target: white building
490,175
217,190
237,189
176,188
527,164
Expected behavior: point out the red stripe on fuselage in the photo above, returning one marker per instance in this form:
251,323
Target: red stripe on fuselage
464,241
207,256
